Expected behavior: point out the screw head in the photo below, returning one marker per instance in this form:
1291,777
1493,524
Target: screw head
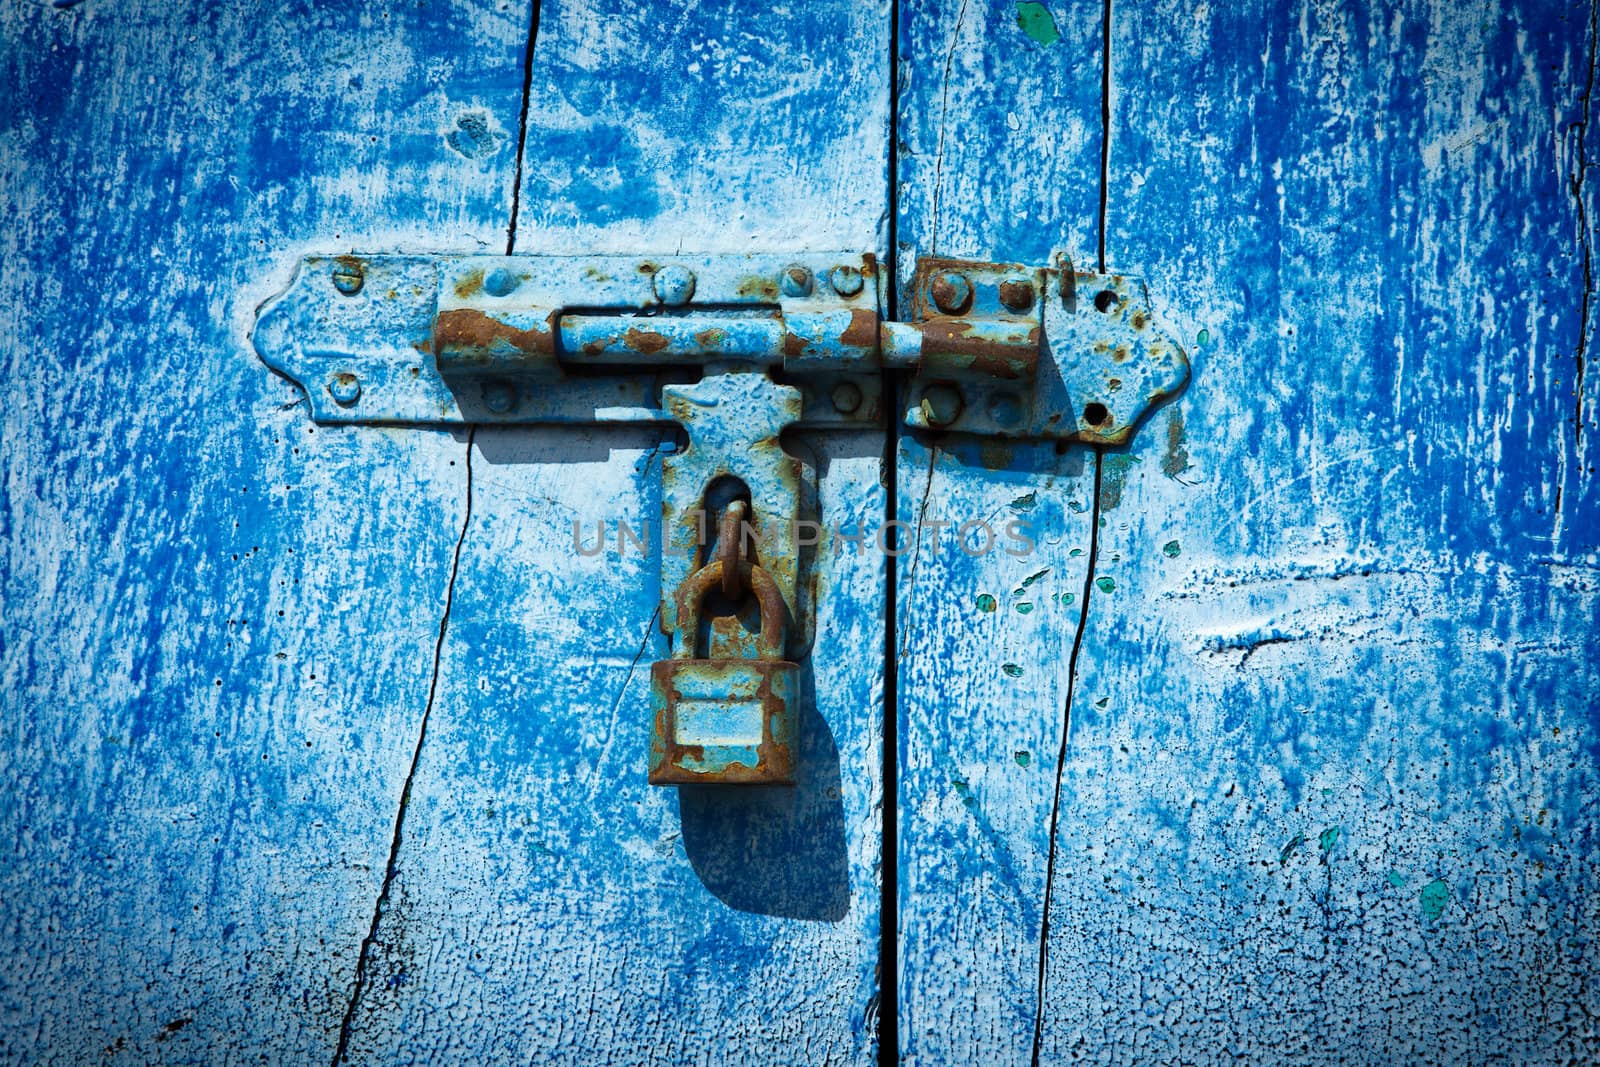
846,397
941,404
500,282
952,292
796,280
348,277
1016,294
499,397
345,388
673,285
846,281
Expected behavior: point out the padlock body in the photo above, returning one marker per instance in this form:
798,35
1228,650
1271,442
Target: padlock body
723,722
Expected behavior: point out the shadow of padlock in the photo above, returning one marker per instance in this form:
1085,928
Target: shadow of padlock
725,721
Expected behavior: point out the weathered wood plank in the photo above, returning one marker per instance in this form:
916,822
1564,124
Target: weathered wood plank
985,640
547,903
1333,766
708,127
1329,787
999,160
545,891
999,129
218,620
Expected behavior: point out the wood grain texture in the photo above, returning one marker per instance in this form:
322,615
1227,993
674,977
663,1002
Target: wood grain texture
985,640
999,160
999,133
1338,805
1332,769
218,620
547,904
708,127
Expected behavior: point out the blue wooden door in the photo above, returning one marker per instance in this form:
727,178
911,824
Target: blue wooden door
1282,746
1277,743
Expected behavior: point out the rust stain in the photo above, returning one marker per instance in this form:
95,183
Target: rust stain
949,343
793,345
757,286
647,342
1176,461
467,330
862,331
711,337
470,283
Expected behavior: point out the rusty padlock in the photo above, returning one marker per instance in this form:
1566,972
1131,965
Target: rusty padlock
725,721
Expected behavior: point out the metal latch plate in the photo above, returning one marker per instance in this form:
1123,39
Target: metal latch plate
561,339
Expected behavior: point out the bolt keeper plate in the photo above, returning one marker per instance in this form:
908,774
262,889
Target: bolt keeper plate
1097,365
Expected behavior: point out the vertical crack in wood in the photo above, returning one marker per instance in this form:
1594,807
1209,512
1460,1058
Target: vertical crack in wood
369,942
522,125
916,549
944,110
1061,761
616,702
1585,245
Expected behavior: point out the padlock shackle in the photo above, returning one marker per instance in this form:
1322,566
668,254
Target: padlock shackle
702,581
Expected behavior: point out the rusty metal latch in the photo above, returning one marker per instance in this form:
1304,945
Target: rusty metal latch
734,349
998,349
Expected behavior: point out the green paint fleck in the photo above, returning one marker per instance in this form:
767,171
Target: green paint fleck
1327,792
1171,549
1434,896
1329,837
1037,22
986,602
1034,577
963,791
1075,553
1025,608
1203,339
1395,879
1064,598
1105,585
1102,702
1022,756
1294,842
1025,502
1011,669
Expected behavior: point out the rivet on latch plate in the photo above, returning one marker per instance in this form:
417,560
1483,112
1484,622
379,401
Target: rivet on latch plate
725,721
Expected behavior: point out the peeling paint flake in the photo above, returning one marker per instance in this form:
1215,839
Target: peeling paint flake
1038,23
